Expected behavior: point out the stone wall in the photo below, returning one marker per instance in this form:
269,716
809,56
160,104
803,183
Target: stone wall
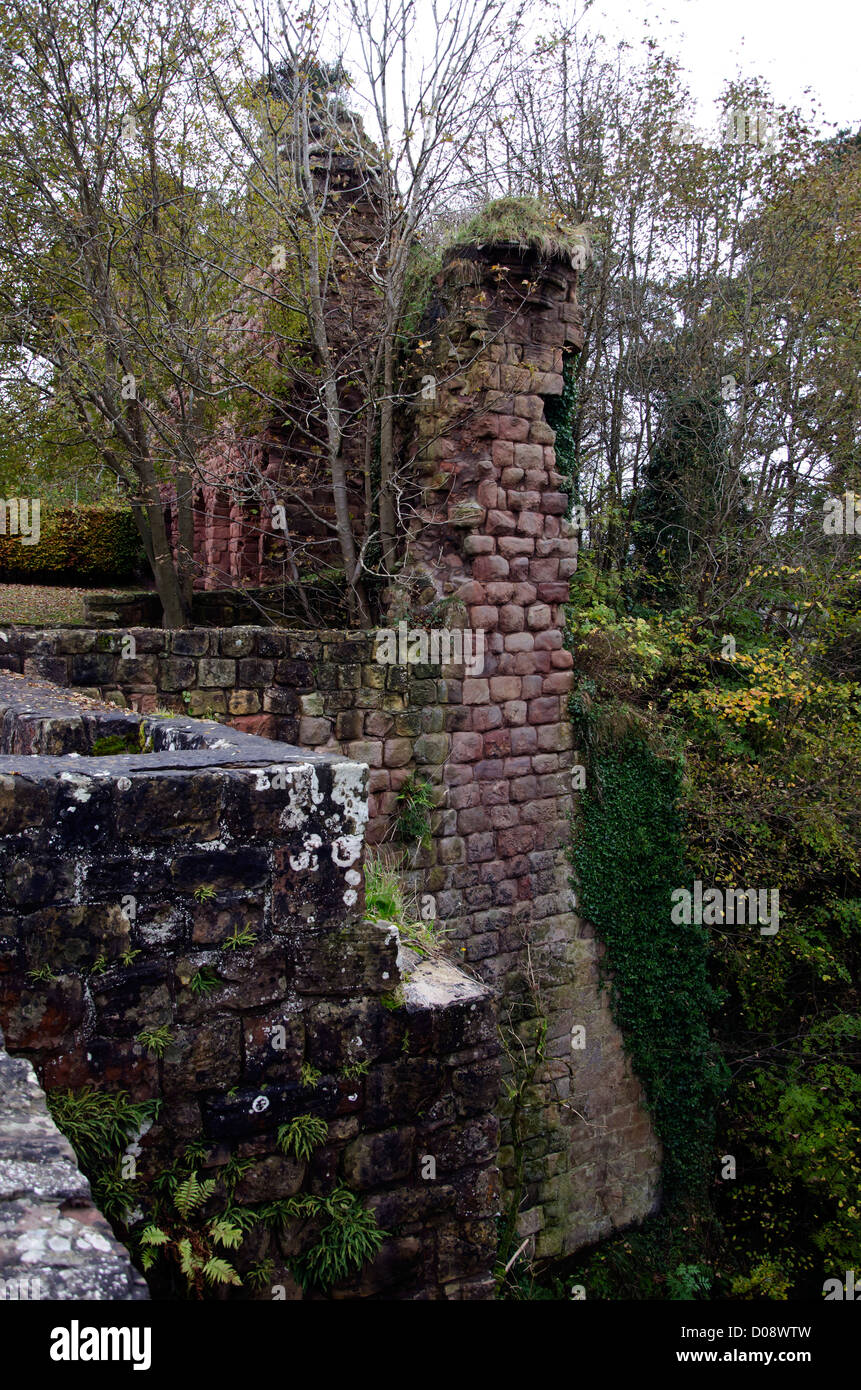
490,549
491,536
583,1116
123,877
54,1243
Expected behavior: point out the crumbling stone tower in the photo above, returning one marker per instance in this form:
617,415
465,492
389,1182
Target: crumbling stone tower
579,1154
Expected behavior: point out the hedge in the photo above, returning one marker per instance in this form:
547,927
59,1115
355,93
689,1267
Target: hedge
85,544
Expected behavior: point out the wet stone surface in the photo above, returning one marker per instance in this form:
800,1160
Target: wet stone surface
54,1244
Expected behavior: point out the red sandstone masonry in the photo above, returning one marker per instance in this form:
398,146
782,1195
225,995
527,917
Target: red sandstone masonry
507,776
495,867
497,747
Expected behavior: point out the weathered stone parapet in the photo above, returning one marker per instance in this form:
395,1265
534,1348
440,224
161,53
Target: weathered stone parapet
54,1243
127,878
493,544
600,1163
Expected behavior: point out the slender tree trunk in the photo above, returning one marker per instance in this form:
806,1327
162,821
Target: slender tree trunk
386,501
185,535
167,581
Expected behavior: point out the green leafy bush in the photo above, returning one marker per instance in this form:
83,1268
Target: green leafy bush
87,545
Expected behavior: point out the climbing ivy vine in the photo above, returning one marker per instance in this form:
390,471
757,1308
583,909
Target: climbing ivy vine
628,856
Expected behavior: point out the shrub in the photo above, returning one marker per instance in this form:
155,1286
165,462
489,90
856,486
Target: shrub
89,545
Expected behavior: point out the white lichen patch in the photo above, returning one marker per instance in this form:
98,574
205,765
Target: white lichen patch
316,793
306,858
348,791
82,785
299,793
346,850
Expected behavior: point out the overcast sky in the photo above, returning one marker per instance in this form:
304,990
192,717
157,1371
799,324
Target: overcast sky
794,44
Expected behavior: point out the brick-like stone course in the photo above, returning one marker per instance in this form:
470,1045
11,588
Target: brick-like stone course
495,744
101,861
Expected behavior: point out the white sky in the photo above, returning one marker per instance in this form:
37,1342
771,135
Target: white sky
794,44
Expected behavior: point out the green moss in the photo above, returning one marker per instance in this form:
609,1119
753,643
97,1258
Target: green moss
114,744
523,222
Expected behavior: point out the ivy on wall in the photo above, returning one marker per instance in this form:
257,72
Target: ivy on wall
628,857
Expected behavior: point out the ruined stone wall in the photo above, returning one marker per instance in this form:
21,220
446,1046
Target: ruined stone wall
491,541
124,876
583,1118
491,536
54,1243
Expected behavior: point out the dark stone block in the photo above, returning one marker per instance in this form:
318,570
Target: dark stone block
249,1111
296,674
132,999
169,806
32,882
230,869
403,1090
177,673
195,642
91,668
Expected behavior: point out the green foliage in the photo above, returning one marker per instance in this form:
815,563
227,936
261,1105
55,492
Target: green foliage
415,802
191,1193
427,939
351,1071
191,1241
204,981
689,1282
309,1076
302,1136
387,899
155,1040
348,1238
204,893
670,1256
764,795
99,1126
384,893
683,481
628,855
42,975
524,222
84,545
259,1276
394,999
239,938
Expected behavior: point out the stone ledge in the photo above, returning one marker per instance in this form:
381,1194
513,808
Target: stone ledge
54,1243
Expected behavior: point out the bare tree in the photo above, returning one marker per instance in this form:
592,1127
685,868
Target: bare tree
417,77
109,291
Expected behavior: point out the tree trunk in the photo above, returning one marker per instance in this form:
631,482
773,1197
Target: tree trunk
185,535
176,610
386,501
